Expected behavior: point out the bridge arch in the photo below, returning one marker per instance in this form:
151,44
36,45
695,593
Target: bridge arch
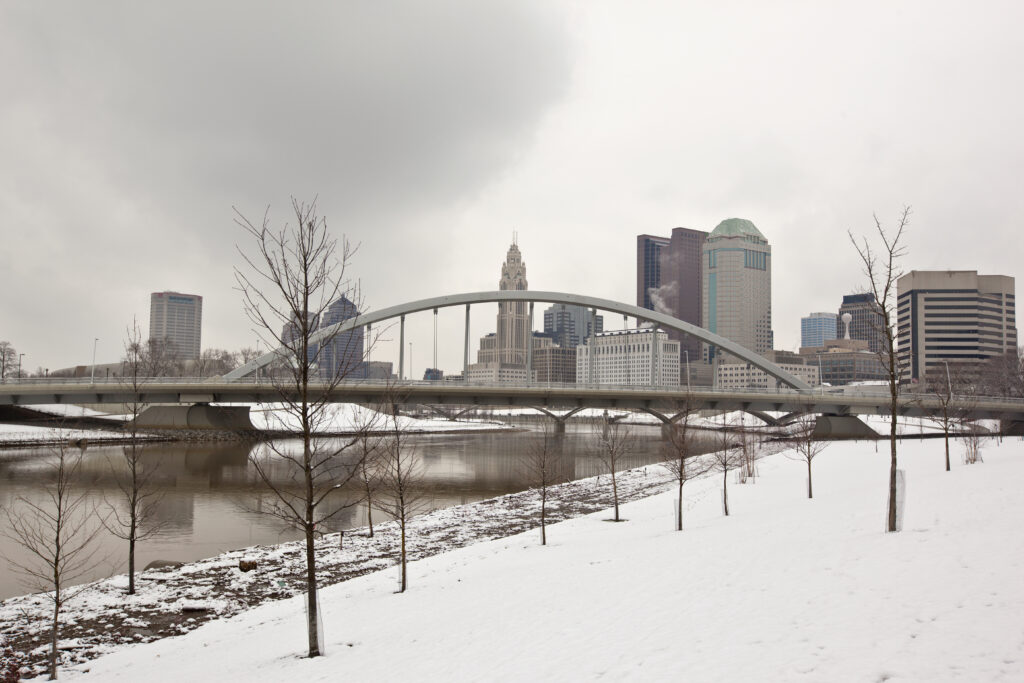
660,319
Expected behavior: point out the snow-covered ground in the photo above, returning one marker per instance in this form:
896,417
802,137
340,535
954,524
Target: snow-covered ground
785,589
16,434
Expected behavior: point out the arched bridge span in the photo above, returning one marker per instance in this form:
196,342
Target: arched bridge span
530,296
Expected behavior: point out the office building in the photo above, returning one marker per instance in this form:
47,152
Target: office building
502,354
569,326
554,364
669,279
342,354
953,316
866,320
816,328
737,293
629,357
177,318
749,377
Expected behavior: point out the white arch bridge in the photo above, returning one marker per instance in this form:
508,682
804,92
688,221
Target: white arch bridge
527,296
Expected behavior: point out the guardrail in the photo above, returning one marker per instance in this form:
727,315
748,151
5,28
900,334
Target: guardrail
197,382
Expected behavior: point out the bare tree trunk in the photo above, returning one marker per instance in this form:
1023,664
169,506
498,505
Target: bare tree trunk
810,488
54,630
543,521
892,468
725,491
946,438
615,494
679,505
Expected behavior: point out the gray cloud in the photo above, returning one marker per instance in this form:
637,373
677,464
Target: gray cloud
133,129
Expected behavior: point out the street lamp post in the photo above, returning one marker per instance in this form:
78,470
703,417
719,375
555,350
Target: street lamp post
20,356
92,375
687,352
411,376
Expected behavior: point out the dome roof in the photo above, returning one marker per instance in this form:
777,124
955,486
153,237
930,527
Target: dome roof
735,227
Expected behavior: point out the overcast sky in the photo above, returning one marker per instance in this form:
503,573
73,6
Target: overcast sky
432,131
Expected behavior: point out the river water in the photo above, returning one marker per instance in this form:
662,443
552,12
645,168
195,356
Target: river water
210,495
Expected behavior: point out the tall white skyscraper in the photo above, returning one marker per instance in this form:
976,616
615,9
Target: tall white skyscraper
177,318
737,296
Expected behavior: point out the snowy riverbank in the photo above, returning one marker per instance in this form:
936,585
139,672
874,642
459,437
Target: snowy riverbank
786,589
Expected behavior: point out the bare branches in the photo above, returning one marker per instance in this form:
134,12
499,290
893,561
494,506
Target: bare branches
882,271
614,442
542,472
806,447
294,275
58,533
401,480
682,461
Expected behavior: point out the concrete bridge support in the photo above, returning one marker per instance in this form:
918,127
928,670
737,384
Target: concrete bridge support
842,427
200,416
560,420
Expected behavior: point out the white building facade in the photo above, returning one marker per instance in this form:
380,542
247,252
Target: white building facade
747,376
628,357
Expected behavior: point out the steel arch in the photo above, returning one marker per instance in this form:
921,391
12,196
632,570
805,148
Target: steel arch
660,319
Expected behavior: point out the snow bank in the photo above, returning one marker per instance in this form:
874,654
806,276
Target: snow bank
786,589
346,417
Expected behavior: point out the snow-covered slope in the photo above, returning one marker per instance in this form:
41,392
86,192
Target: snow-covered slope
786,589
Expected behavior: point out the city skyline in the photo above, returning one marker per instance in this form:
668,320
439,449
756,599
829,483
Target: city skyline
124,157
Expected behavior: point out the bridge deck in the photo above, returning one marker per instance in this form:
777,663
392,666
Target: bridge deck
558,396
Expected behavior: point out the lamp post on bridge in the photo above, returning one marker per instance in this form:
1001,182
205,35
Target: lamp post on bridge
20,356
92,371
687,352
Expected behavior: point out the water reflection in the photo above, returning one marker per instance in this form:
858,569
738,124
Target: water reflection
211,497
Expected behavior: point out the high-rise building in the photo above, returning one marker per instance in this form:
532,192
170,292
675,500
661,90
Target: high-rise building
555,364
816,328
342,356
866,320
953,316
629,357
669,279
569,325
177,318
502,355
737,293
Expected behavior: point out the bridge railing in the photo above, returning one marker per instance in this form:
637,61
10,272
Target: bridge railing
197,383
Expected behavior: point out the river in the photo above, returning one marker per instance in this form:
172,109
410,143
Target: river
210,496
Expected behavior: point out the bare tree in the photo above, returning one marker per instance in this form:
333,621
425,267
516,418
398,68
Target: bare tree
138,496
542,472
806,446
213,362
293,275
59,533
1003,375
972,434
882,270
726,458
401,482
953,390
614,442
749,445
159,358
368,427
682,461
8,359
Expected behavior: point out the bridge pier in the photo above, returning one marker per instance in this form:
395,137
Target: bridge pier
1011,427
199,416
842,427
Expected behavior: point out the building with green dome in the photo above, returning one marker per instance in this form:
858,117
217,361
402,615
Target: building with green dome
737,287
